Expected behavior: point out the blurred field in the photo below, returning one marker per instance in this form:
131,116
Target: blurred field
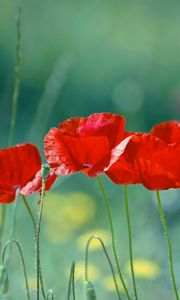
80,57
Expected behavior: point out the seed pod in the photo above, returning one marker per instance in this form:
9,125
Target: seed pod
89,291
45,171
4,282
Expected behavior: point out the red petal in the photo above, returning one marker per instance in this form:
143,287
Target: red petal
159,163
112,158
123,171
5,199
98,124
167,131
71,154
150,161
156,177
18,165
36,183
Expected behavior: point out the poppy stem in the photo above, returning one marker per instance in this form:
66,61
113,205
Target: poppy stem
71,282
107,258
164,224
34,225
29,211
22,261
130,239
108,211
37,238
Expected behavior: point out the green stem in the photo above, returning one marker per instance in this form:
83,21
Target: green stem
163,221
22,261
13,224
38,229
71,282
108,260
130,239
34,225
29,211
108,211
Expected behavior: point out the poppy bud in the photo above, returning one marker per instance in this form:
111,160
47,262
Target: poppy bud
45,171
4,283
89,291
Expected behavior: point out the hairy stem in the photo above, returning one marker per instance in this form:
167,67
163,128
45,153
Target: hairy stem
130,239
29,211
34,225
164,224
108,211
107,258
22,261
37,235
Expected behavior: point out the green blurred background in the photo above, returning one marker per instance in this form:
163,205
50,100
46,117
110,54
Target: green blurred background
80,57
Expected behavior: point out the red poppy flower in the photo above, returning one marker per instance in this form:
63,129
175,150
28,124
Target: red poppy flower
20,167
148,160
86,144
167,131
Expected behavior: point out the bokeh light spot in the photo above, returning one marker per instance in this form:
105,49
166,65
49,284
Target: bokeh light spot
144,268
95,244
67,212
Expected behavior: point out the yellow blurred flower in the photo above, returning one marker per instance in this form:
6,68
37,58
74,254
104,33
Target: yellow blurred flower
32,281
95,244
93,271
108,284
144,268
66,213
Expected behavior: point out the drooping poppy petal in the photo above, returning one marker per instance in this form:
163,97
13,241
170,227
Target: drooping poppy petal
84,144
35,184
168,131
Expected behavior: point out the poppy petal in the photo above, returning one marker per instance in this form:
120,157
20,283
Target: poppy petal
36,183
167,131
18,165
97,124
5,199
111,159
69,154
123,170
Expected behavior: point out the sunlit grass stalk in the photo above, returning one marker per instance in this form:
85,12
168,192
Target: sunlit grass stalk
22,262
15,98
107,258
111,227
130,239
34,226
164,224
71,283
